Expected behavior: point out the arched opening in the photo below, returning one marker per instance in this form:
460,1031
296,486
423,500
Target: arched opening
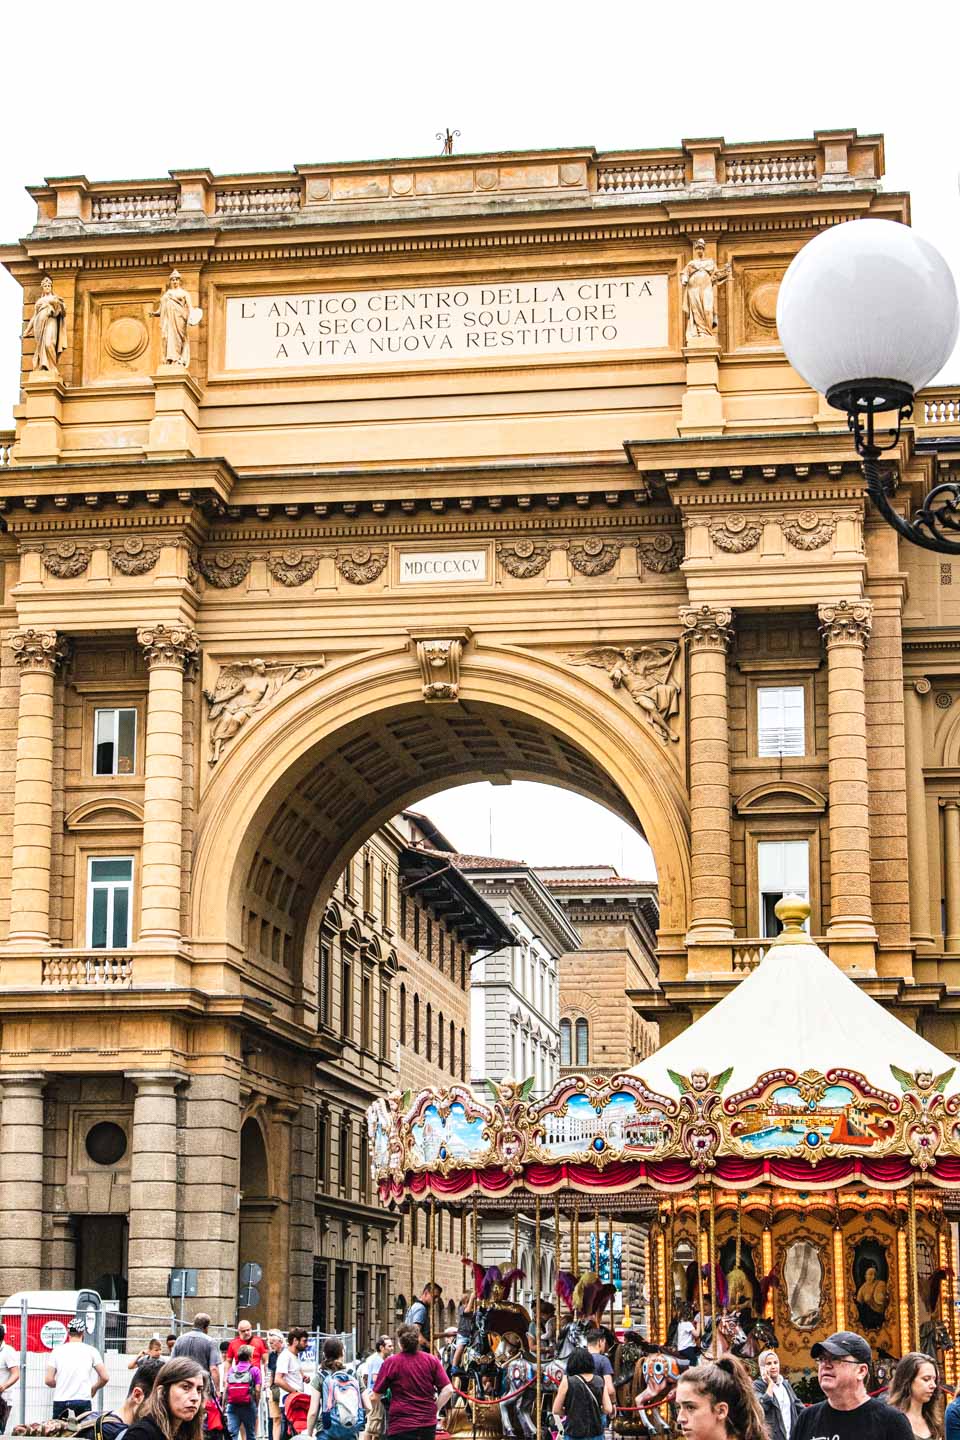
257,1209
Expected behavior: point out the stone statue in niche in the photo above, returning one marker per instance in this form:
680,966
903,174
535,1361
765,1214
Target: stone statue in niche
176,316
647,674
48,327
699,280
244,688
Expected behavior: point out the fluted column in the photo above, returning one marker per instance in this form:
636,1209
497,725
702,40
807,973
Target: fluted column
951,873
21,1182
169,650
152,1247
708,632
918,858
37,653
845,627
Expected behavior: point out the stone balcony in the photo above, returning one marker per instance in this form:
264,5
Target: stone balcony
313,193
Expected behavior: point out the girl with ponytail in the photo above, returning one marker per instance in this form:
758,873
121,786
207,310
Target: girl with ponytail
716,1401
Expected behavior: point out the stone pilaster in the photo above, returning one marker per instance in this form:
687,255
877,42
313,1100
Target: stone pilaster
209,1194
21,1182
918,856
169,649
303,1194
152,1247
708,632
845,627
37,653
951,870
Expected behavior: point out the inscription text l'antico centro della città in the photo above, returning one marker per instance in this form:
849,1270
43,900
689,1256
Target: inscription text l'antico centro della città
625,312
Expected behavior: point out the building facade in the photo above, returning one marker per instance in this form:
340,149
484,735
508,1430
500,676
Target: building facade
472,467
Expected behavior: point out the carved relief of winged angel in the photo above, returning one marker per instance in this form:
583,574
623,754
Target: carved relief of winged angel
243,688
647,674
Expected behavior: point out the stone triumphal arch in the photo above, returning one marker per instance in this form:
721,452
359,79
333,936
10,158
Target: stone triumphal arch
332,488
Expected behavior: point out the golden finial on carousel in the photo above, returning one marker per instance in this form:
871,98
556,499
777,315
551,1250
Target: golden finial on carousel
792,911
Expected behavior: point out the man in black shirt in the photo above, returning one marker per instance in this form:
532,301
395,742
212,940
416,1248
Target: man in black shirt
848,1412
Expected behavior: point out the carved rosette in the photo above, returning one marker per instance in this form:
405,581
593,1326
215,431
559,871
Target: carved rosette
361,566
523,558
293,567
169,647
224,570
41,650
707,628
439,661
808,530
734,535
594,556
662,554
847,622
133,556
66,560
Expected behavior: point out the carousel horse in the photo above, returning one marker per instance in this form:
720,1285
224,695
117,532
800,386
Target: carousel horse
586,1298
654,1380
516,1372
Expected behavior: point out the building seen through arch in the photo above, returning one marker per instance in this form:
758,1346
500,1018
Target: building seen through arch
470,468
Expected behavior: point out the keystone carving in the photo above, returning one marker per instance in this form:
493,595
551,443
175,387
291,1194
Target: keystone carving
169,646
808,531
38,649
133,557
704,626
361,566
224,570
293,567
661,554
523,558
439,661
647,674
594,556
66,560
245,688
848,622
735,536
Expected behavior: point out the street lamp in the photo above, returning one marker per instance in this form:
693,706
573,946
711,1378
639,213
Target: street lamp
867,315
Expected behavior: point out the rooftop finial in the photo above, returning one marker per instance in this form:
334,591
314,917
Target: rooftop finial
448,137
792,911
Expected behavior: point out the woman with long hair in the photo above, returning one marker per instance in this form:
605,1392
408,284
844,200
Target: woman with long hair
716,1401
174,1410
915,1389
582,1399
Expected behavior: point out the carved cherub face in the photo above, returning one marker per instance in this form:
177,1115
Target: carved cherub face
924,1079
699,1079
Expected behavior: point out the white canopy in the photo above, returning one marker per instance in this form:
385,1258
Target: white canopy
796,1009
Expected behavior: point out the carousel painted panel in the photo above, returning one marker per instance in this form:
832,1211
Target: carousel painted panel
813,1115
597,1120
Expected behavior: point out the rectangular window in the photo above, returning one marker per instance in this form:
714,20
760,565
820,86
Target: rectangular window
416,927
324,983
321,1150
114,741
366,1012
109,903
780,720
385,896
384,1023
783,868
343,1174
346,999
367,882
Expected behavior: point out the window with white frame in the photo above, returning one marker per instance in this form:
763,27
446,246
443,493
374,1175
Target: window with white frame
780,720
783,868
582,1033
565,1046
109,902
115,741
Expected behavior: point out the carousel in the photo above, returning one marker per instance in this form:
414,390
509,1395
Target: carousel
793,1159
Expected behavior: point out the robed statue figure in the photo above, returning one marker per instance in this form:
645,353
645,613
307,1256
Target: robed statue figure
48,326
699,279
176,315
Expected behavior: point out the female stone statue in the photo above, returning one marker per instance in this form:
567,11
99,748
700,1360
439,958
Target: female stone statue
699,278
47,324
176,314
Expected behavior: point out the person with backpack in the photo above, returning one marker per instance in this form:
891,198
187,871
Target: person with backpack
336,1405
114,1424
242,1394
418,1387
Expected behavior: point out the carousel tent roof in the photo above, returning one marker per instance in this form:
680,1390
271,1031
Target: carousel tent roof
796,1009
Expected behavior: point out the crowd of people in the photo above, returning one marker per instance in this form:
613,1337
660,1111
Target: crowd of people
257,1387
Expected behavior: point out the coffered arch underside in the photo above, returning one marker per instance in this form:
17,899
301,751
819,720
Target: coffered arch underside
310,781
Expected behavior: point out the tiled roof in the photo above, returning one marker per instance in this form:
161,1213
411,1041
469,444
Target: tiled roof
603,884
475,862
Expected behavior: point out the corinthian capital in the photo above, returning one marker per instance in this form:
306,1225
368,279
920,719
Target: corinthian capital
846,622
169,647
705,627
38,649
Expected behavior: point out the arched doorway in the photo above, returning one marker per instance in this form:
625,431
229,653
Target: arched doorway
257,1213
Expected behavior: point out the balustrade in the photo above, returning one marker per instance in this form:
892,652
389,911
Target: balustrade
637,179
771,169
281,201
7,438
106,209
101,971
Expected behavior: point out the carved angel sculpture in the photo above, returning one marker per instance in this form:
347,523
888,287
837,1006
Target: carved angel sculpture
242,689
646,673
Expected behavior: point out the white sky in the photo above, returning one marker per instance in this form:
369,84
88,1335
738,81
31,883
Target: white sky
118,90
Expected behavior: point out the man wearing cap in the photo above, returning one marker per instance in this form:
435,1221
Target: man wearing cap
848,1412
75,1373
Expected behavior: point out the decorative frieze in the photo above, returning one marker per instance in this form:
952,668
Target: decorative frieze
40,650
293,567
662,554
705,627
244,689
169,646
847,622
647,673
224,569
66,560
523,558
808,530
594,556
734,535
134,556
361,566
